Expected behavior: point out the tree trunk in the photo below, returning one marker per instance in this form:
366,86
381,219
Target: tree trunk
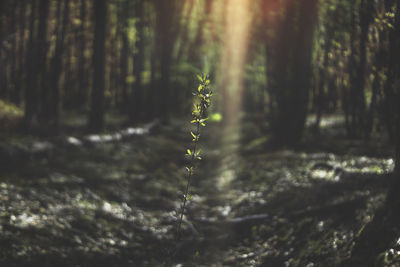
56,69
13,67
290,68
136,112
31,82
96,118
42,53
358,66
395,58
19,85
124,55
321,99
4,54
82,74
166,34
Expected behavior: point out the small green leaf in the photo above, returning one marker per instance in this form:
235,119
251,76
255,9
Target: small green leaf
189,152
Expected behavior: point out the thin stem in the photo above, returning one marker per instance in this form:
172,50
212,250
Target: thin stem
204,94
190,173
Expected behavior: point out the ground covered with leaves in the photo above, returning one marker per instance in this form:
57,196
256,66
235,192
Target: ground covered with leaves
111,199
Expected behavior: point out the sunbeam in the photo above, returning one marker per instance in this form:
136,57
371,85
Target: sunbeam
234,52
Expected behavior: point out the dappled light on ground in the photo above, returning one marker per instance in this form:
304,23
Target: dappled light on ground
114,203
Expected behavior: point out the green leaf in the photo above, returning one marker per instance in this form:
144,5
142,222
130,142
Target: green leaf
189,152
195,137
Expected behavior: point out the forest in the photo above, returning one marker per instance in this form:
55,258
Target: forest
200,133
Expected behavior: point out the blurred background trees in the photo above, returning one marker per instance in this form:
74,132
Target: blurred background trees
139,59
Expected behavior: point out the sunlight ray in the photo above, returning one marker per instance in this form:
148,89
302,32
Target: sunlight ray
234,52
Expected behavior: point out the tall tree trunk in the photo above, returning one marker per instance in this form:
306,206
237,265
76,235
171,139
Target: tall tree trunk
4,54
56,69
164,51
357,65
136,112
82,73
13,67
124,55
302,68
289,59
166,32
42,52
390,95
19,85
321,98
395,58
31,76
366,12
96,118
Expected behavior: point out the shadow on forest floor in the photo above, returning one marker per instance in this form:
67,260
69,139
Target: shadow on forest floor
113,203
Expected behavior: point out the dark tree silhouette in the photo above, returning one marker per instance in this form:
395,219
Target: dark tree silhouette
289,70
125,50
137,108
31,76
82,73
56,67
96,118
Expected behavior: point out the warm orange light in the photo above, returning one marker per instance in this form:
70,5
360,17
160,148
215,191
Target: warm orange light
230,89
234,58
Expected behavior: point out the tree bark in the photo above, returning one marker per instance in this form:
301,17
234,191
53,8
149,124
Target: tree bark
289,60
357,67
166,34
42,53
13,67
96,118
4,54
31,81
82,80
136,112
19,85
124,55
56,69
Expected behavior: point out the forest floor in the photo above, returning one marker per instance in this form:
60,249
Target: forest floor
111,200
